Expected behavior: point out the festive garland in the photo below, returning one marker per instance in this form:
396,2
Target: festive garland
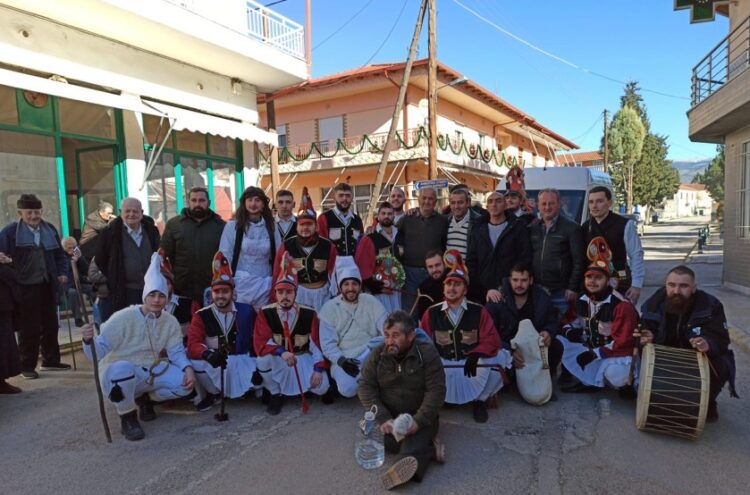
475,152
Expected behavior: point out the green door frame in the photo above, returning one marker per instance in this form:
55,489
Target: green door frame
79,196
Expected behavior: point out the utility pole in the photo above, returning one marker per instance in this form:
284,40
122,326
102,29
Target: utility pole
396,111
606,143
308,37
432,171
274,152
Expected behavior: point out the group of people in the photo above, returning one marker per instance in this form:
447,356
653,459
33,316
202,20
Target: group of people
418,309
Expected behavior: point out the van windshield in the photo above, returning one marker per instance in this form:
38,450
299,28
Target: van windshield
572,203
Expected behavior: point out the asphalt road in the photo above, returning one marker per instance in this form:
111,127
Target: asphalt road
51,440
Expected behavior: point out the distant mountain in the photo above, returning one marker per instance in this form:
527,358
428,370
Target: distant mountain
688,168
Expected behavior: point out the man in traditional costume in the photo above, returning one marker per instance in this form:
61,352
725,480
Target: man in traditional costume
377,263
465,337
220,340
286,340
351,324
341,224
598,343
130,367
314,259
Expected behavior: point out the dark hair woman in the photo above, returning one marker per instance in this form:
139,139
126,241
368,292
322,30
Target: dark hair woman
249,243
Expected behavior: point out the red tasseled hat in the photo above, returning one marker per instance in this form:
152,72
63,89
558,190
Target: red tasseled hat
222,272
307,212
456,268
287,273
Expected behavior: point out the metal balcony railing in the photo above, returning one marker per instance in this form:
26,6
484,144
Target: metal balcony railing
726,61
259,23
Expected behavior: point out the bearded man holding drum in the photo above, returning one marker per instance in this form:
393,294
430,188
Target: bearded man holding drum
682,316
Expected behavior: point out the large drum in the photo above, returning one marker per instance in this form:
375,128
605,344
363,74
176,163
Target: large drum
673,391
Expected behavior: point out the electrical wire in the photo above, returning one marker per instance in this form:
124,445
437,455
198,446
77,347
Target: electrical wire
556,57
346,23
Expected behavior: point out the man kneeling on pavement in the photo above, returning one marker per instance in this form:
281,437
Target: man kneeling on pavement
220,340
598,343
405,362
681,315
286,339
467,342
129,349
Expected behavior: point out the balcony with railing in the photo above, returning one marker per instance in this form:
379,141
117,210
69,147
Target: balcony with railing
720,88
253,20
368,150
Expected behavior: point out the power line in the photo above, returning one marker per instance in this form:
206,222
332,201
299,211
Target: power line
388,36
581,136
346,23
556,57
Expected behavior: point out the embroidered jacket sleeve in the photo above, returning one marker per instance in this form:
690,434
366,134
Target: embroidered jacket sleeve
263,338
425,324
364,257
318,359
196,338
624,321
333,254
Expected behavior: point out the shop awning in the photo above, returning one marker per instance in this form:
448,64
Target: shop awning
179,118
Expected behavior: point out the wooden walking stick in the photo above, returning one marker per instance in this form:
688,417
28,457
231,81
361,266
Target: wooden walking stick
288,337
94,358
628,391
70,331
222,414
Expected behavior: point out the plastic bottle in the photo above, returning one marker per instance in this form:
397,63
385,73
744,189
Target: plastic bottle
369,451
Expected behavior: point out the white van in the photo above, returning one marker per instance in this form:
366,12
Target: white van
574,184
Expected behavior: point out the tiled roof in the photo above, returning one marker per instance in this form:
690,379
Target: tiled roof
378,70
584,156
693,187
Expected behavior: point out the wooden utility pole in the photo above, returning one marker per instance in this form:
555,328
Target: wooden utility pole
606,143
308,37
274,152
432,171
396,111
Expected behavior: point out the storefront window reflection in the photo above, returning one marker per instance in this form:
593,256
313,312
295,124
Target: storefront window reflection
8,111
162,194
224,190
78,117
28,165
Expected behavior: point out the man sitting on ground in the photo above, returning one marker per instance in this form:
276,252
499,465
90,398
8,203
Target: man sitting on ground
405,363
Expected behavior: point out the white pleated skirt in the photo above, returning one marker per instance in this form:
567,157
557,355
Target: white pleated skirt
461,389
593,374
237,376
315,298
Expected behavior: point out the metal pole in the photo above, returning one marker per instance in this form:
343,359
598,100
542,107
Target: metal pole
396,112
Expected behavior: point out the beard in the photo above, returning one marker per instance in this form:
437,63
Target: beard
520,293
343,209
198,213
677,304
387,222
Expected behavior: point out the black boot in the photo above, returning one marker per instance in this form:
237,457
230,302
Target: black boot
131,428
274,405
480,411
145,408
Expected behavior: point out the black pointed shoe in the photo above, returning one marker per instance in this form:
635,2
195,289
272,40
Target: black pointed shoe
130,427
480,411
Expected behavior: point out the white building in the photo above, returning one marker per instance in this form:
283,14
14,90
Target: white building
690,200
92,90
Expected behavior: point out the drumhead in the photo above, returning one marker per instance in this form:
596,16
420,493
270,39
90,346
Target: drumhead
646,375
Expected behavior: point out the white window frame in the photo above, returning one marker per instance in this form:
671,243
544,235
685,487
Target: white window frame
742,225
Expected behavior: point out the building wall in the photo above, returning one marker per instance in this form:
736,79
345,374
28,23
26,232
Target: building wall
737,251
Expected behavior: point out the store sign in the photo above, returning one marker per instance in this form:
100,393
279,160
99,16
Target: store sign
701,10
434,184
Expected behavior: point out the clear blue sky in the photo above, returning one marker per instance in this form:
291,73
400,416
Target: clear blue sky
644,40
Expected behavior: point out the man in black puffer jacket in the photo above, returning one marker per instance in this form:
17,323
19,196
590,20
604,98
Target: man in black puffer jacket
124,252
495,246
